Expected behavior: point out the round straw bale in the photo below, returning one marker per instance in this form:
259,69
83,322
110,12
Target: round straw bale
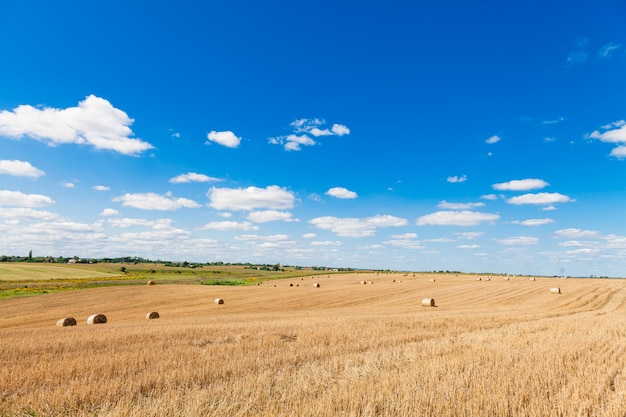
555,290
506,278
532,279
316,285
478,279
428,302
150,282
152,315
432,280
97,319
67,321
363,283
219,301
370,282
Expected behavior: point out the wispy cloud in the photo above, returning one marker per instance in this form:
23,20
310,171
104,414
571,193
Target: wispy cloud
226,226
533,222
456,218
456,179
519,240
608,50
579,54
458,206
264,216
94,122
304,130
493,139
193,177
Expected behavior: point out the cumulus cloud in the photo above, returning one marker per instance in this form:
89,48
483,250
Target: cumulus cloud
251,198
493,139
109,212
226,138
456,218
327,243
19,169
612,133
539,198
573,233
304,130
458,206
264,216
101,188
519,240
94,122
309,236
534,222
193,177
520,185
24,213
226,226
17,198
456,179
356,227
154,201
340,192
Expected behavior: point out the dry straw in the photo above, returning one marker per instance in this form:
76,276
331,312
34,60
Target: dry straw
97,319
152,315
428,302
555,290
316,285
432,280
67,321
151,282
219,301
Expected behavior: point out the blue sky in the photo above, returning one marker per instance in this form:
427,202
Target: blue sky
396,135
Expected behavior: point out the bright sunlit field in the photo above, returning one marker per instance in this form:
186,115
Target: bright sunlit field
286,348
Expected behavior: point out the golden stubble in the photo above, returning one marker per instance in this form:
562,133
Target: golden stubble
286,348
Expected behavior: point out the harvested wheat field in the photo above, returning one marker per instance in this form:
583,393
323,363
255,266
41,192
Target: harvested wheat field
286,348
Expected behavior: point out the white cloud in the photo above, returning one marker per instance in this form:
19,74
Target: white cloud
355,227
94,122
572,233
468,246
469,235
271,197
340,192
17,198
68,185
612,133
101,188
153,201
126,222
607,50
303,129
519,240
539,198
456,218
229,226
309,236
520,185
264,216
534,222
327,243
109,212
22,213
456,179
19,169
226,138
619,152
405,236
458,206
193,177
493,139
489,197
